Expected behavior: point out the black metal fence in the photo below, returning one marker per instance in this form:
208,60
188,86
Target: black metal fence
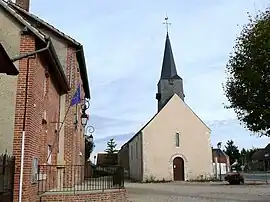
7,169
74,178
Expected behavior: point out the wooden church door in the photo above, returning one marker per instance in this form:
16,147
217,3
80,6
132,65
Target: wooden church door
178,169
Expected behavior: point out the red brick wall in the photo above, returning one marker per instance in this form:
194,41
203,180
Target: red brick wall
73,134
43,96
38,135
106,196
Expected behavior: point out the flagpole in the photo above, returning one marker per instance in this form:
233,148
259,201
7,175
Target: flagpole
76,95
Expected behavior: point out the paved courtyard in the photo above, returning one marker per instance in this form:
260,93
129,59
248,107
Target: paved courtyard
197,192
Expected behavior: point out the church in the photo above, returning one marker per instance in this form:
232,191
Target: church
175,144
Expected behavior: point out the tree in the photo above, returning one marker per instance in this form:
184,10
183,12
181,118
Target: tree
111,145
248,75
232,151
89,147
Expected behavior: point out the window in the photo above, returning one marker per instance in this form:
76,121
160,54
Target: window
177,139
49,161
137,154
34,170
131,150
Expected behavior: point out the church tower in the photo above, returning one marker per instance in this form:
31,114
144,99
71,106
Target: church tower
169,83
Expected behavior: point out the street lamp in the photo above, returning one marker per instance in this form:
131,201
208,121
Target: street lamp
84,116
91,139
95,159
219,148
266,155
84,119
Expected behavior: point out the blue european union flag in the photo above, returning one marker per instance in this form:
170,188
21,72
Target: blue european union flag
76,97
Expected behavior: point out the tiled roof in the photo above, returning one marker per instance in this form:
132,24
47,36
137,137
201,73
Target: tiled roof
46,40
23,16
49,26
15,13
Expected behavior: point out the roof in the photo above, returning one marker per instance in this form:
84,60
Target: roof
17,16
217,152
260,153
168,70
50,51
7,67
79,53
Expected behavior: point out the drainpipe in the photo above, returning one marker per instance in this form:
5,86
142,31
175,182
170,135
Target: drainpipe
28,56
31,54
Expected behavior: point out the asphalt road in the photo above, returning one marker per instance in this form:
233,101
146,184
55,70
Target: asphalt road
196,192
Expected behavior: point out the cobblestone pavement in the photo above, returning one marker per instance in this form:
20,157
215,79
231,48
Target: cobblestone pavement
196,192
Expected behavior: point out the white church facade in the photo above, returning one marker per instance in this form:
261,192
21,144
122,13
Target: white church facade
175,144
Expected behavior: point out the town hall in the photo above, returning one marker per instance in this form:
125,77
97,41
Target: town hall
175,144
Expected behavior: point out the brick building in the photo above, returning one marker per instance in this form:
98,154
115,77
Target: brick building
54,67
221,162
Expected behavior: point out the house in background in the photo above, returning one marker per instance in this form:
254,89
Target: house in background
54,65
221,162
261,159
105,159
175,143
123,158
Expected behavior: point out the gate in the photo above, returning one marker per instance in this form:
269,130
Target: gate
7,168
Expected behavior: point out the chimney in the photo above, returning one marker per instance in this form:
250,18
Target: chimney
23,4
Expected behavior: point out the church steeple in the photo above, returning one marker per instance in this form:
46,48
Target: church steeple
170,83
168,70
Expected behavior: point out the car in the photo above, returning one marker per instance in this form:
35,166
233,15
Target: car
234,178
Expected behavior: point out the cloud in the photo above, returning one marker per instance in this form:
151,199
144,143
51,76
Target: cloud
224,130
124,44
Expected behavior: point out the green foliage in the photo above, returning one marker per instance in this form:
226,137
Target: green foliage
246,155
89,147
232,151
111,145
248,75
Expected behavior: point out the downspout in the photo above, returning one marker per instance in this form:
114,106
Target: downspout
28,56
31,54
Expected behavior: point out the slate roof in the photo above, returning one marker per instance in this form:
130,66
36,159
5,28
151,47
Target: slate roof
6,65
79,53
168,70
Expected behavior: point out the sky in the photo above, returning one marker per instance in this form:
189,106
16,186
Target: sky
124,43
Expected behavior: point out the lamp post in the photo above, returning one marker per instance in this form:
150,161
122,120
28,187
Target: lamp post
219,151
95,159
266,155
84,116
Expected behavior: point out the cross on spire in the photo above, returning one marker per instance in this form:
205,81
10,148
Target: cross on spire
167,23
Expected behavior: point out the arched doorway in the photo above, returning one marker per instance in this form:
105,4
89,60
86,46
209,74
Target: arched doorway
178,169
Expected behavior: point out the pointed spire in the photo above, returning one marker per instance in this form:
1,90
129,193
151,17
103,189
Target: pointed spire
168,66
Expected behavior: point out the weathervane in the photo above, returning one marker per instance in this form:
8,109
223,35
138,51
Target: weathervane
167,23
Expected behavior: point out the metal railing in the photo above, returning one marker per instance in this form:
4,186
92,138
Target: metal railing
7,170
74,178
